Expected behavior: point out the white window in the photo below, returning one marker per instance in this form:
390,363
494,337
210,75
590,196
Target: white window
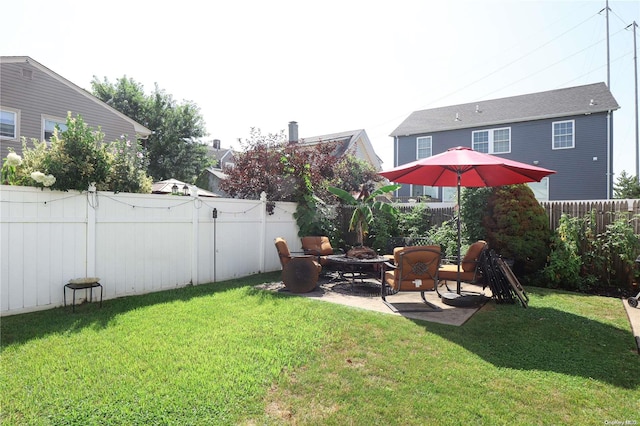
564,134
492,141
49,124
8,124
423,147
424,150
540,189
429,191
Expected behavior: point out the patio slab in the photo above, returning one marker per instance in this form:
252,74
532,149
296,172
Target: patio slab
366,295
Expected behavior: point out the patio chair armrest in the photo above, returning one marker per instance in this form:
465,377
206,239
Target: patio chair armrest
390,265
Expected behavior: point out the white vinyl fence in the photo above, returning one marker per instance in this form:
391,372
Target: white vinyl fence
135,243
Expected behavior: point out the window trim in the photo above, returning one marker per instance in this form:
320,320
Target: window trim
573,134
46,118
491,140
426,138
16,123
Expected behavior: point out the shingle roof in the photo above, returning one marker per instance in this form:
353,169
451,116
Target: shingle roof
578,100
343,140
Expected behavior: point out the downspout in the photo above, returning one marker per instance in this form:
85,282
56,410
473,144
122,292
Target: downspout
609,159
395,158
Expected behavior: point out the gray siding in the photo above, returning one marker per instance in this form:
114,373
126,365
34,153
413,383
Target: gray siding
578,177
45,95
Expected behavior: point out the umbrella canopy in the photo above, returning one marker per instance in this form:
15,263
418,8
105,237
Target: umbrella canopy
462,166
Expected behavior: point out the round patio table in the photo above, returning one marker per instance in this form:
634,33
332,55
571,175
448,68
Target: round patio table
358,268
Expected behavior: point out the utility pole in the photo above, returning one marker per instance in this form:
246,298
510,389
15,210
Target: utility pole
609,114
608,54
635,78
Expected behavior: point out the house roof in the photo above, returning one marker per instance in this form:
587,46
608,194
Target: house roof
139,128
220,154
217,172
345,141
588,99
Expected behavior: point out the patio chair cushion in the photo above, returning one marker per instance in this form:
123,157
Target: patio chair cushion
319,246
468,266
283,250
470,260
416,268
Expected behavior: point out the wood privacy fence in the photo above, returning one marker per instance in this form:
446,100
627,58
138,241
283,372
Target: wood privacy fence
606,212
135,243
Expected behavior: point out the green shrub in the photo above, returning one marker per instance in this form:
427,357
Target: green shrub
565,263
473,207
77,157
585,261
415,221
383,227
517,228
127,168
446,236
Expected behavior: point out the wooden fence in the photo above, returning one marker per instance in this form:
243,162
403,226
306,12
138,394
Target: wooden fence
606,212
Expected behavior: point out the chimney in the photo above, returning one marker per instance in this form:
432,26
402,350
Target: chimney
293,132
216,144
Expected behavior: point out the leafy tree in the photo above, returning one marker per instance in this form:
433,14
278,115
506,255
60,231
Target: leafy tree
351,172
626,186
172,149
285,172
365,206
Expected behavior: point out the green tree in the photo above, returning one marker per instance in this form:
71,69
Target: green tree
351,171
365,206
172,149
626,186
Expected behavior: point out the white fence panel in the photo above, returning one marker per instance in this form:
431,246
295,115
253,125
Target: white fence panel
135,243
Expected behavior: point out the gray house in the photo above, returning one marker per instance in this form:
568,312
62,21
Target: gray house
33,99
566,130
213,176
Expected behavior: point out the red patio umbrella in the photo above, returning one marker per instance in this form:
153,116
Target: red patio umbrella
462,166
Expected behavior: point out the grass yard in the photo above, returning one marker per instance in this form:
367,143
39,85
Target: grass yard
227,354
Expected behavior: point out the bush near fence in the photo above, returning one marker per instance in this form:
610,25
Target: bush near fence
605,212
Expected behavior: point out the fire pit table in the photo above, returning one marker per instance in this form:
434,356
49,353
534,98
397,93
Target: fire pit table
353,268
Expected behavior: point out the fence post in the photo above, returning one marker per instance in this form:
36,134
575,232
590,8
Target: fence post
263,229
92,197
195,232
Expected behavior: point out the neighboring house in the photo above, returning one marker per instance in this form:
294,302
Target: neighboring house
212,176
33,99
177,187
354,142
566,130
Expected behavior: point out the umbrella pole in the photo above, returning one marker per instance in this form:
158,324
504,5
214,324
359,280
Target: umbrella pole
458,287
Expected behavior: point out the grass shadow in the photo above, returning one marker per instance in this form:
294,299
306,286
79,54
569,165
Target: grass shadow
548,339
19,329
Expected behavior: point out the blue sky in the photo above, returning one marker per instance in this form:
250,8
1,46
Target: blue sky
334,65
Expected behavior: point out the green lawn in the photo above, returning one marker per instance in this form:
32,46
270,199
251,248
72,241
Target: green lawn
226,353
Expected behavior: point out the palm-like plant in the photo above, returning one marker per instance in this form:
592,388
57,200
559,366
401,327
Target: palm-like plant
365,206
